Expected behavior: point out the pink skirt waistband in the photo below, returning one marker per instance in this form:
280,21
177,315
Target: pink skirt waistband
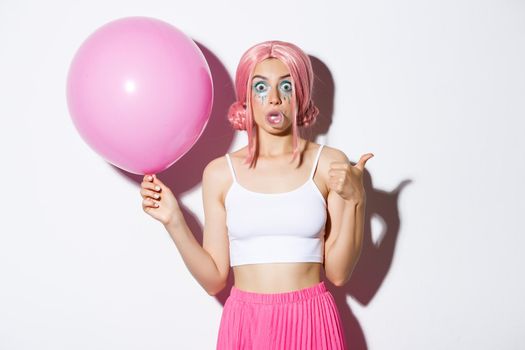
275,298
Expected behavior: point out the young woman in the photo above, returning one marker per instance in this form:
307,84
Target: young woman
276,211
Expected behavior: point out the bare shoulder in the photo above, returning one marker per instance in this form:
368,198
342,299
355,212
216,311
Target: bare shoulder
215,168
218,168
216,178
332,154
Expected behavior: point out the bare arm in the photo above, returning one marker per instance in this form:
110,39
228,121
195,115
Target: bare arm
343,248
208,264
345,231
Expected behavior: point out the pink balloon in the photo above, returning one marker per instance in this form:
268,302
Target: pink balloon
140,93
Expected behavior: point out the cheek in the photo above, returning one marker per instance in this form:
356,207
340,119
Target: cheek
259,99
287,95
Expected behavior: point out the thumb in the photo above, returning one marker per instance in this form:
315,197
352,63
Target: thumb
157,181
362,161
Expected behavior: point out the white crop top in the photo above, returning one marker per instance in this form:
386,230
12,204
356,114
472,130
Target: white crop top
275,227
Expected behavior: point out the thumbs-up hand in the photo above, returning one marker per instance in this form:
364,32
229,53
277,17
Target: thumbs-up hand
347,180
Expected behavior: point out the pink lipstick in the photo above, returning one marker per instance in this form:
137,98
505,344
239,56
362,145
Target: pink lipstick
274,117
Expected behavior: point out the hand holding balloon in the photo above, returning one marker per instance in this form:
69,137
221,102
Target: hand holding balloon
159,202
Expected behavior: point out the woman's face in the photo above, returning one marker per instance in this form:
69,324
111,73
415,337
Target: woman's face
271,93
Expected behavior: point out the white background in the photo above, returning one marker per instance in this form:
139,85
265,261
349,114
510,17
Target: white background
434,89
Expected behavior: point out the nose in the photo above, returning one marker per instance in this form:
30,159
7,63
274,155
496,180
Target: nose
274,96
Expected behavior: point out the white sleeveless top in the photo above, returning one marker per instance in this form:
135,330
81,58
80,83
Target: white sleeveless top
275,227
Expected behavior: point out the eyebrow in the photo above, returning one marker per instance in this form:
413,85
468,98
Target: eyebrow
260,76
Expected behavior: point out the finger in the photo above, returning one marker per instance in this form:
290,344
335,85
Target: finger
150,186
148,177
337,172
149,193
339,165
157,181
148,202
362,161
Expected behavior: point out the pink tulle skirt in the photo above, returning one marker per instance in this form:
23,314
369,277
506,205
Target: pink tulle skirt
301,319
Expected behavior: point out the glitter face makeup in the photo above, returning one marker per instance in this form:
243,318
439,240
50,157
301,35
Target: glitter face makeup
261,88
272,93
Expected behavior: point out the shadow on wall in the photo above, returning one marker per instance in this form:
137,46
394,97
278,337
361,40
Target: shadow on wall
376,257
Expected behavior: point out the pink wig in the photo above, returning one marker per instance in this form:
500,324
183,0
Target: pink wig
300,67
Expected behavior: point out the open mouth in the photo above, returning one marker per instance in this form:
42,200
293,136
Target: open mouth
274,118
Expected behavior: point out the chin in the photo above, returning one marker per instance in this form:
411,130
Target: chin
281,130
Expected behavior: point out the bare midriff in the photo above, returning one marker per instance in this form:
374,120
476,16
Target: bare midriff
276,277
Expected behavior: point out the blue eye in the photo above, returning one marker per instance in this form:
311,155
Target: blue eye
287,86
259,87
